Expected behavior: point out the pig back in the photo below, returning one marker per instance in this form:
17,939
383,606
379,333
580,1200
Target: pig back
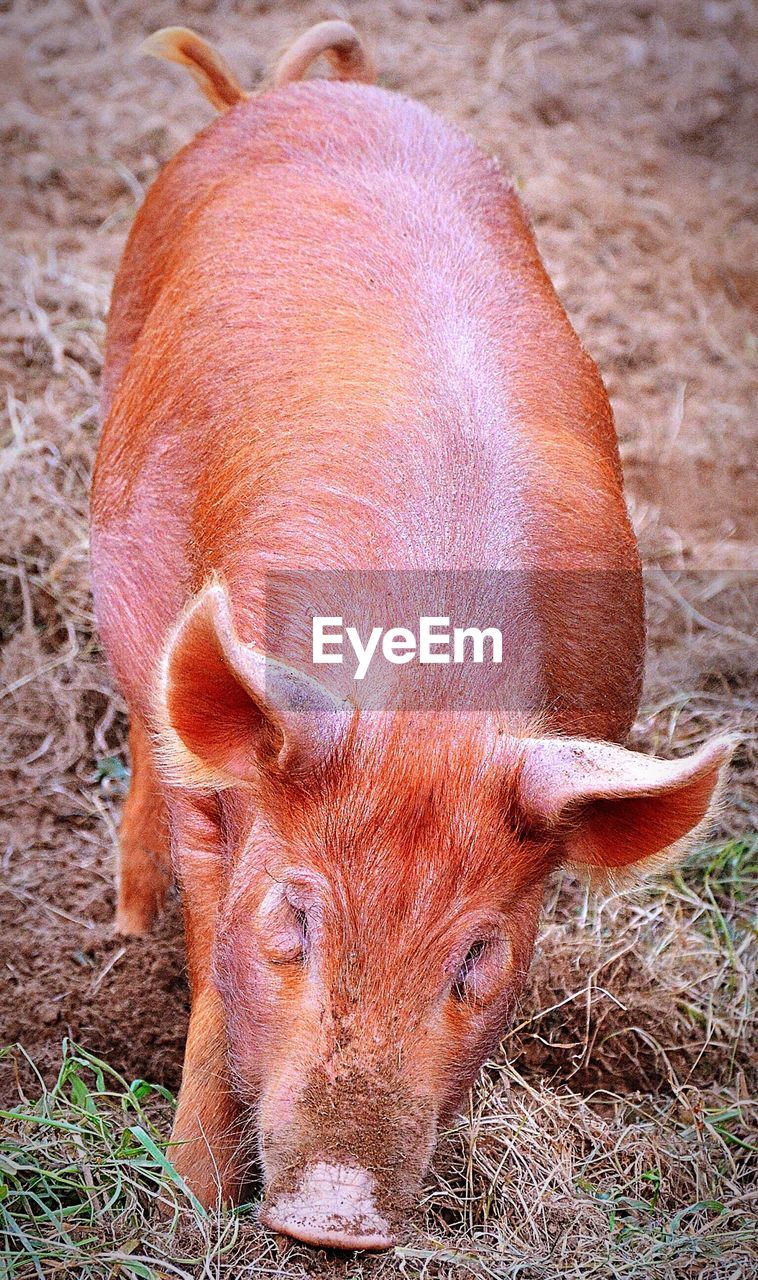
333,346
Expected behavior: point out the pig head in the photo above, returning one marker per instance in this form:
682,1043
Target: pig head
377,882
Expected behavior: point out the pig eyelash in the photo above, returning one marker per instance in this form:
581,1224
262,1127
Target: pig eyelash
459,988
302,924
290,937
476,982
297,956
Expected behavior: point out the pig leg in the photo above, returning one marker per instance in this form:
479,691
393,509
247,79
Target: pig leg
144,865
208,1123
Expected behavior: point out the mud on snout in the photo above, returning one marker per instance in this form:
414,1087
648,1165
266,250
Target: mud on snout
344,1162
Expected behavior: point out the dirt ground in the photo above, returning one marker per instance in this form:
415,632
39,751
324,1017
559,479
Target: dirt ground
630,129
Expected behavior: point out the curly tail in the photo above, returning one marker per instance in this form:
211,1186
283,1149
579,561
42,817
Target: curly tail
335,39
215,77
341,46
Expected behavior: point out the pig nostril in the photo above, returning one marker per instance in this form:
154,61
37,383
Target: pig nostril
332,1206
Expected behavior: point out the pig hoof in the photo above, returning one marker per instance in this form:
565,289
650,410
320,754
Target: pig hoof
333,1207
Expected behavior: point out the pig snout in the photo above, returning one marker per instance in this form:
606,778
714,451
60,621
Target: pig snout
332,1205
344,1157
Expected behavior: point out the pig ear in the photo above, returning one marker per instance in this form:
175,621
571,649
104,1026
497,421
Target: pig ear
228,711
613,809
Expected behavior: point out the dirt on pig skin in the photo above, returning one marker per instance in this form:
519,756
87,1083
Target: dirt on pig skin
359,1117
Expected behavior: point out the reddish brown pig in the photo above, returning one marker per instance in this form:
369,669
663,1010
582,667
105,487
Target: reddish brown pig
333,346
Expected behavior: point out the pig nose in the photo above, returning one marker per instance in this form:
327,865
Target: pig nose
332,1206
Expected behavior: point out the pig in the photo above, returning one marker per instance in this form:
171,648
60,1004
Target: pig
332,346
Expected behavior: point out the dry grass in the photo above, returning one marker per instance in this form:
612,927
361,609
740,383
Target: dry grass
611,1136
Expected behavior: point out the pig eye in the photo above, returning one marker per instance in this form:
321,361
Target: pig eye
293,936
283,929
301,923
483,971
464,984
